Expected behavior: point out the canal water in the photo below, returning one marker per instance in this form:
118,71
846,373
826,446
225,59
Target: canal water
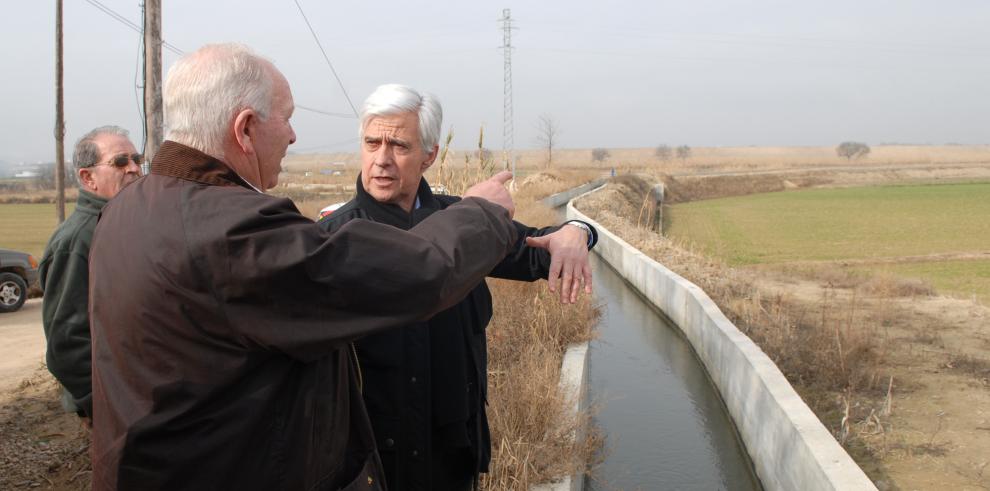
663,420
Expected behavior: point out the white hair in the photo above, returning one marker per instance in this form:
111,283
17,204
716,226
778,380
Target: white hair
206,88
391,99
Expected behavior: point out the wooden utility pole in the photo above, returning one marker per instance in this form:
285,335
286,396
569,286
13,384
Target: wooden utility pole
59,120
152,77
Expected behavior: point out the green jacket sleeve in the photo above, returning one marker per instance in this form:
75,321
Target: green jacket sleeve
65,280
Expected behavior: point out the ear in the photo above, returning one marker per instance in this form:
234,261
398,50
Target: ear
430,158
86,179
244,127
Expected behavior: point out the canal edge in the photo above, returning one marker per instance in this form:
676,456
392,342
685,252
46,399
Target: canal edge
789,446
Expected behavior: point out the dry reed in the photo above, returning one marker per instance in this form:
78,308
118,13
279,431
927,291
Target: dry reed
532,434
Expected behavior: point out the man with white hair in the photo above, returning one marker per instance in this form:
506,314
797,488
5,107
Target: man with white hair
105,161
425,385
221,317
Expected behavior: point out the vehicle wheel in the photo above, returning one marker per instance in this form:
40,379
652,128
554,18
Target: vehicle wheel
13,292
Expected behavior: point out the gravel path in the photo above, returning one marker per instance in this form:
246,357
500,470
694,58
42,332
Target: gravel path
22,344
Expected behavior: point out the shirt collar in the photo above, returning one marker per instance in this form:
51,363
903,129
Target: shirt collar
248,182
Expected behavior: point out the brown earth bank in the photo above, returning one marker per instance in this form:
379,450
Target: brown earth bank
692,187
899,375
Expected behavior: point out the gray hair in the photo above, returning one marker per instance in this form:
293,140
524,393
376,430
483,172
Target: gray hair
86,153
391,99
206,88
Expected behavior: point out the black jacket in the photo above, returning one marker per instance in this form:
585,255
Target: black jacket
425,386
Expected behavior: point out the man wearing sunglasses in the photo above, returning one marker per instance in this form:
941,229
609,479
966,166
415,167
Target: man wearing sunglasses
105,161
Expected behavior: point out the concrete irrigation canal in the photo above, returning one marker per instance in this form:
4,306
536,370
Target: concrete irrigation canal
685,399
665,425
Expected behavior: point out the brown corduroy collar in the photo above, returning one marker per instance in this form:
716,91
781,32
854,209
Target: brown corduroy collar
183,162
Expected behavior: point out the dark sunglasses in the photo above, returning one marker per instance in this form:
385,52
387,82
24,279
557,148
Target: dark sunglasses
122,160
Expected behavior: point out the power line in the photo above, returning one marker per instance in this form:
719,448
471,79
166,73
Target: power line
325,113
123,20
327,58
327,145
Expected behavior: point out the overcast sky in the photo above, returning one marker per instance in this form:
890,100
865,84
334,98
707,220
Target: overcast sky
613,74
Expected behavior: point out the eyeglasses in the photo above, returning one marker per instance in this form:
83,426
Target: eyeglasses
121,161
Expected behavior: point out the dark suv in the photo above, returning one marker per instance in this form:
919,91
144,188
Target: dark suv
18,270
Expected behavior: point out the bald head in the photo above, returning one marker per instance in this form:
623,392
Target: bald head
205,89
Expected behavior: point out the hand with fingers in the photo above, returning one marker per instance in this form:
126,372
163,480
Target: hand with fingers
569,266
493,189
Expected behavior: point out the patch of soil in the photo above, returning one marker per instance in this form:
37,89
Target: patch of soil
43,447
937,433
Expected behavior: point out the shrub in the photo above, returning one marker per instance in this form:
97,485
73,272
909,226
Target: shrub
852,150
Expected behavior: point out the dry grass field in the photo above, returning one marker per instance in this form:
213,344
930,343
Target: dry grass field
704,159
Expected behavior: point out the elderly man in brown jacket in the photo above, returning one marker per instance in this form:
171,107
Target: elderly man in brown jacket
221,317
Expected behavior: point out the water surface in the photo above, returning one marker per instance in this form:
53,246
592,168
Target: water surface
665,425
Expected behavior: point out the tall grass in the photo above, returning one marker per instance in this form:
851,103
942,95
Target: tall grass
532,433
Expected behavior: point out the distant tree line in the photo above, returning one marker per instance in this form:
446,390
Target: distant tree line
852,150
664,153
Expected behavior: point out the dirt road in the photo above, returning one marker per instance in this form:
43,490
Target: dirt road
22,344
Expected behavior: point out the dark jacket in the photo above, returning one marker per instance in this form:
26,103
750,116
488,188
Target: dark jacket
425,385
64,277
221,319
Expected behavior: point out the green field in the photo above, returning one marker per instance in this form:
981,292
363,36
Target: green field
851,223
831,224
27,228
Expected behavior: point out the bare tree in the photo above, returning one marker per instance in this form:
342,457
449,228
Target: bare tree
600,154
683,152
663,152
46,177
852,150
547,132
